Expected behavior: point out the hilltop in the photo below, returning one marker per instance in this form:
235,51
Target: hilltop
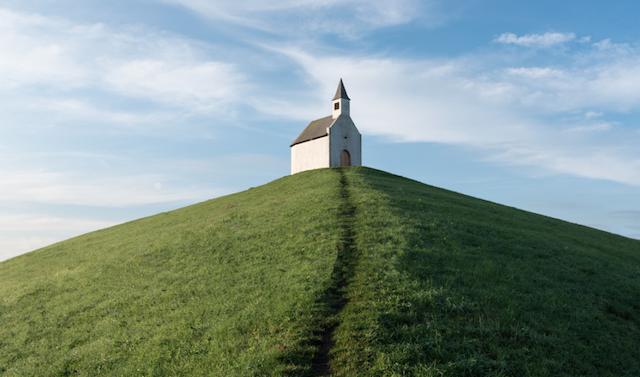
377,273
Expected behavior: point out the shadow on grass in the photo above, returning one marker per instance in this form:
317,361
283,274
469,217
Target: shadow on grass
479,289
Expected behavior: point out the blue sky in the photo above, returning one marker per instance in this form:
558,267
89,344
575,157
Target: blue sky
115,110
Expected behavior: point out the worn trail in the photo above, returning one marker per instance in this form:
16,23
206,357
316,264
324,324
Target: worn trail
343,272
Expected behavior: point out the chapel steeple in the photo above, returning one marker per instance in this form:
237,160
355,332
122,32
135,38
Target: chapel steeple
340,101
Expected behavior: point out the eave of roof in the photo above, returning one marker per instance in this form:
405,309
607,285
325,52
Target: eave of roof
315,130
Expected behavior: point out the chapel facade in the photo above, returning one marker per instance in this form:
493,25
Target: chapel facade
330,141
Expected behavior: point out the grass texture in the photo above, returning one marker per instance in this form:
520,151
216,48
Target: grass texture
228,287
407,279
449,285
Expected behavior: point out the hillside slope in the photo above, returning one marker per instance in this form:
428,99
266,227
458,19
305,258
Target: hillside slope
451,285
225,287
406,278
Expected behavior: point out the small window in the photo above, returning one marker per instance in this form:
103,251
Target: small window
336,106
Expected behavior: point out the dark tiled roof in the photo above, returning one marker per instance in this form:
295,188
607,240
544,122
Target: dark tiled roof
341,92
315,129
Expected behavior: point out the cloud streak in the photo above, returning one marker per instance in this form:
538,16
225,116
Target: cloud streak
545,40
16,223
14,246
61,56
204,86
50,229
111,191
348,18
515,115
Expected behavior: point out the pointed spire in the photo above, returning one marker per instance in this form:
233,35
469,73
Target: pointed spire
341,92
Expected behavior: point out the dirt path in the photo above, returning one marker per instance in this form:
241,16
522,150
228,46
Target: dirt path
343,272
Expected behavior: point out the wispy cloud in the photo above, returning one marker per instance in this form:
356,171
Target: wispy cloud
349,18
592,160
61,56
201,86
17,223
86,110
14,246
87,190
536,72
592,114
516,115
607,45
16,235
597,127
33,55
538,40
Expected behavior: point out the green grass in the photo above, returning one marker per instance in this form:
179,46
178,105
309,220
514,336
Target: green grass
436,283
232,286
451,285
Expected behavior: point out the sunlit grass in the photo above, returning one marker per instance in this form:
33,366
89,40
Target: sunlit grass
231,286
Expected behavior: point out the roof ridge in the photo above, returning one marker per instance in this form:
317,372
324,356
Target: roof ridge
316,129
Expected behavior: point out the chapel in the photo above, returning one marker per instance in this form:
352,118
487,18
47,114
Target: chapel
330,141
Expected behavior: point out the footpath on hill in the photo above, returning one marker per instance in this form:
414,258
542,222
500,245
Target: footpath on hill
342,275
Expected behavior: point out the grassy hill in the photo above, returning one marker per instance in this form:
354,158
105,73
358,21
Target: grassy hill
370,272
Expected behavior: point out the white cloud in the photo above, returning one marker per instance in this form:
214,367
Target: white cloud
130,62
349,18
535,72
15,223
206,85
64,111
16,229
543,41
607,45
593,114
520,116
591,128
595,161
610,84
13,246
33,54
88,189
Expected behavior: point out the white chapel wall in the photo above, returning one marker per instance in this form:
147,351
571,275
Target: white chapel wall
345,135
312,154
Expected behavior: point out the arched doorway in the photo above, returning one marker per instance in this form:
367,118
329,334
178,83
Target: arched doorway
345,158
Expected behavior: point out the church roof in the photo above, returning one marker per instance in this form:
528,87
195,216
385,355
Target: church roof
315,129
341,92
